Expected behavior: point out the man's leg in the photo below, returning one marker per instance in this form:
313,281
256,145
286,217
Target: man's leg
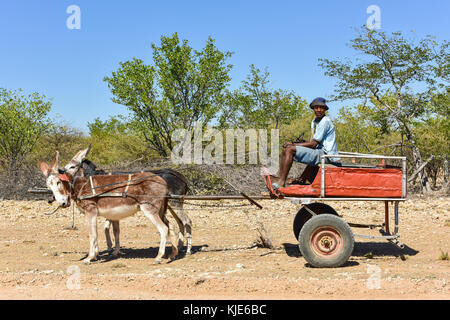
298,153
308,174
287,157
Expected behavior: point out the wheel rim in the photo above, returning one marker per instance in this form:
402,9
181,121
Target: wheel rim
326,242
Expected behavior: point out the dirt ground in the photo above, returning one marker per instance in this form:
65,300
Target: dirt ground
40,256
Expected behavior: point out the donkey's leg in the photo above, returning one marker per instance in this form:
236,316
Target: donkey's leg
91,217
151,211
107,235
188,227
173,236
187,223
116,230
180,224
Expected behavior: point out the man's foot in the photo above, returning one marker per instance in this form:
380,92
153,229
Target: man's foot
300,181
277,182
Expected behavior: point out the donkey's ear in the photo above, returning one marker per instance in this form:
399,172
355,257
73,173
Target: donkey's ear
45,168
81,155
55,165
87,151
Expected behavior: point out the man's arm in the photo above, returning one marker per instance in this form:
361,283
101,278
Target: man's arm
308,144
319,135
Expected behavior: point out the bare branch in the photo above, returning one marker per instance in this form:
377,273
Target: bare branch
413,176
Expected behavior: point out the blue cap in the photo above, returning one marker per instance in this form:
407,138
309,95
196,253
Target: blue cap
319,102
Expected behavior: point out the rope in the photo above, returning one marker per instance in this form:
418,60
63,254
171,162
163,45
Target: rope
53,212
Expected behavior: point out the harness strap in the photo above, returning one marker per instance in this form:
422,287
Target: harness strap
111,194
92,185
108,194
128,183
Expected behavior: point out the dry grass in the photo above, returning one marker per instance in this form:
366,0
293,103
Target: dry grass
443,255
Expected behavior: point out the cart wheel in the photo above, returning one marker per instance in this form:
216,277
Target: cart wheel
303,215
326,241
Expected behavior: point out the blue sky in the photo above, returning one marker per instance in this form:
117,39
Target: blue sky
38,53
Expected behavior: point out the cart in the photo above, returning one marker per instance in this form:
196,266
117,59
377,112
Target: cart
325,239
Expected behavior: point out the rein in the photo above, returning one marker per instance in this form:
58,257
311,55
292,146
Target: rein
53,212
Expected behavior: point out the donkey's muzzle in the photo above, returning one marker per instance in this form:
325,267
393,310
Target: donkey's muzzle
51,200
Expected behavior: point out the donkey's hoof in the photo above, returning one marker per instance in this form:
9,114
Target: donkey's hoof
157,261
86,261
173,254
115,253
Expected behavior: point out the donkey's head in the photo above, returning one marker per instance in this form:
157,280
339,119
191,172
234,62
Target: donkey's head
58,183
76,163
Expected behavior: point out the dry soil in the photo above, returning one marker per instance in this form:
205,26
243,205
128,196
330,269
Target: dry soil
40,256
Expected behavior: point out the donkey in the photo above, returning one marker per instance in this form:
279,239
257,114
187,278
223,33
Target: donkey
81,167
114,197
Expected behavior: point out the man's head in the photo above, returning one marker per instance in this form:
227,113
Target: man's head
319,106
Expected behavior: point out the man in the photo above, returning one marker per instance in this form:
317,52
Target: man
323,141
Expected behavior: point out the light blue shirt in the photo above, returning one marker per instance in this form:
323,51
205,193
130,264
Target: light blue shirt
325,135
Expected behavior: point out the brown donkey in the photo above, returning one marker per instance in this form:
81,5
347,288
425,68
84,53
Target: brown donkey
79,166
114,197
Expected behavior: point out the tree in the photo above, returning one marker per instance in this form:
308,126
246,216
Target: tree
440,129
355,132
397,79
256,105
434,142
182,87
116,140
22,121
60,136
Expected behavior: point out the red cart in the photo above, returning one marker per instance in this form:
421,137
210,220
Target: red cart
325,239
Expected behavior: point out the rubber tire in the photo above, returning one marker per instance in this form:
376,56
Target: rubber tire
337,224
303,215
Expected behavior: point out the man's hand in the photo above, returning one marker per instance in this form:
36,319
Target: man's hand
309,144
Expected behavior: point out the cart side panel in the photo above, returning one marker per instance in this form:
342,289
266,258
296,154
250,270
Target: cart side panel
353,182
359,182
